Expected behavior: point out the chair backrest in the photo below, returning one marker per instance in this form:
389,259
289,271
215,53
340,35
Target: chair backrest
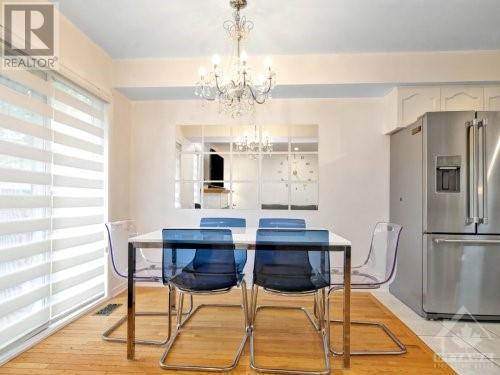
118,234
210,250
292,253
228,222
240,255
281,223
383,250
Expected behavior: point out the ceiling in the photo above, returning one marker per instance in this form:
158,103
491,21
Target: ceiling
178,28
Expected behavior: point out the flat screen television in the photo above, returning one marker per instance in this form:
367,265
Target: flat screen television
216,169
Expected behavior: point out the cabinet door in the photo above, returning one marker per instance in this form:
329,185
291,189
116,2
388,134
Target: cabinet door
462,98
415,101
492,98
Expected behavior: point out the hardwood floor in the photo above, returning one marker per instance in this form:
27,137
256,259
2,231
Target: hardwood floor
283,338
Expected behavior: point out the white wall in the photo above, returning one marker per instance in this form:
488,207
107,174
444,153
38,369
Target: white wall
353,165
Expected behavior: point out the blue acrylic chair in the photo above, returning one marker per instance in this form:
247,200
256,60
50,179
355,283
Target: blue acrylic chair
209,266
223,222
281,223
147,271
292,262
228,222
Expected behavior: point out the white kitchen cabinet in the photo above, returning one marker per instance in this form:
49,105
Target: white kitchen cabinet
462,98
413,102
492,98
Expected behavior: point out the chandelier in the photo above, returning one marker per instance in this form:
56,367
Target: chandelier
236,89
253,145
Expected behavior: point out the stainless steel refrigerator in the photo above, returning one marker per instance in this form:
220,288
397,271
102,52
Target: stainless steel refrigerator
445,191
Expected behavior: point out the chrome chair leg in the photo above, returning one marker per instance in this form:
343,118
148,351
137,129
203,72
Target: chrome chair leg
321,332
402,347
181,323
106,335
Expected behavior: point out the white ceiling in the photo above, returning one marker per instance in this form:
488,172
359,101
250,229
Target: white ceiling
167,28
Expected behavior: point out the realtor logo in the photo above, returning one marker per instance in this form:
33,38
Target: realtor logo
30,35
467,334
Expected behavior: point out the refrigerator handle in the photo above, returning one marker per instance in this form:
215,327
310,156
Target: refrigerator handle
484,175
478,242
471,214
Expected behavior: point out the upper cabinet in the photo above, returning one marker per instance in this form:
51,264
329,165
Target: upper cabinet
492,98
404,105
462,98
413,101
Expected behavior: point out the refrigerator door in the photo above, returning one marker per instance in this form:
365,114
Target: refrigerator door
449,166
489,185
461,274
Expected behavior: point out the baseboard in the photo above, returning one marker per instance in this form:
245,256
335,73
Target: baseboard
120,288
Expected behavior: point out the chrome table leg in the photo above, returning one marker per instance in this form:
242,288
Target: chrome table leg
131,302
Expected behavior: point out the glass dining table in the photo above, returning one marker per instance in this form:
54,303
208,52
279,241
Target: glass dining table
243,238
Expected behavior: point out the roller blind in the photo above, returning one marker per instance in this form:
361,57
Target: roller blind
52,201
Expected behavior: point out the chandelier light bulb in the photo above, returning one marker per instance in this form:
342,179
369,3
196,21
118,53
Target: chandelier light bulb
268,62
243,57
216,60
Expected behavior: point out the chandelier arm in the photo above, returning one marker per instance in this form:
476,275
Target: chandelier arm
255,96
217,84
269,85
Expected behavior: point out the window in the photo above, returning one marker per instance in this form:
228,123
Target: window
52,201
272,167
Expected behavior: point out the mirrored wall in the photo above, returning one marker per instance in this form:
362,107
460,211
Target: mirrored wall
271,167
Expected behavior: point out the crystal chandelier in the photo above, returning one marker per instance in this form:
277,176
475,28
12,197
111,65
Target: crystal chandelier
235,89
252,145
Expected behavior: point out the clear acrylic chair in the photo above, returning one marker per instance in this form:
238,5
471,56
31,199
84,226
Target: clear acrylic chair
147,271
212,269
292,262
378,269
281,223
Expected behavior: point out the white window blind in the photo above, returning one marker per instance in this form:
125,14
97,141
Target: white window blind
52,201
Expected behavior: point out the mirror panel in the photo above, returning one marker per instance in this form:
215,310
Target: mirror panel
245,195
304,196
304,138
275,167
274,196
190,138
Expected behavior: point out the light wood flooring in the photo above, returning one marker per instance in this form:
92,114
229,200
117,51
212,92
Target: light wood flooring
283,338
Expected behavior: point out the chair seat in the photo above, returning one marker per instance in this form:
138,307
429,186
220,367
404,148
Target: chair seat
290,279
362,277
200,282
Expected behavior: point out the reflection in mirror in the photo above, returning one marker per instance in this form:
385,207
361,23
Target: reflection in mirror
216,194
245,167
245,195
275,167
216,167
274,196
304,138
189,137
189,167
188,195
304,167
245,138
217,138
277,136
304,196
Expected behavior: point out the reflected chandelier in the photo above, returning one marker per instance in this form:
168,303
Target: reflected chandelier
236,90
